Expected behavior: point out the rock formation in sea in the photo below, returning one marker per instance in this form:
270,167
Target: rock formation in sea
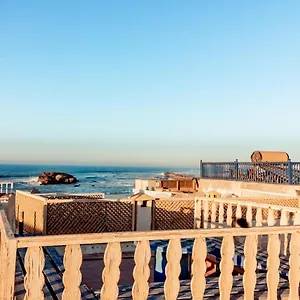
56,178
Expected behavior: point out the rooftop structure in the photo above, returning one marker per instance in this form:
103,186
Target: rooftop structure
258,262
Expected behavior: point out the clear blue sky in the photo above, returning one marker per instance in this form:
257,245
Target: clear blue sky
148,82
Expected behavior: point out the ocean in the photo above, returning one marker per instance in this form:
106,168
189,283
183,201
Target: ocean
115,182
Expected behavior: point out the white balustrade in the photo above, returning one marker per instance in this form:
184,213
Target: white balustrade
6,187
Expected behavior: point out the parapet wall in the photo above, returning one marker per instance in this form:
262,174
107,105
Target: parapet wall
248,189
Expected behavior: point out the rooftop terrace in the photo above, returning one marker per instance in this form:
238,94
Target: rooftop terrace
266,256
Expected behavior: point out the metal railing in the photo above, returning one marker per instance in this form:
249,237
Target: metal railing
264,172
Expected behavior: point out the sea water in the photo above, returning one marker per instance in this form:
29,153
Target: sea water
115,182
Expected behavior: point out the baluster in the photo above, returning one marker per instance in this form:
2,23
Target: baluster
213,214
229,215
258,217
8,251
197,213
111,272
198,280
34,278
221,215
273,263
238,213
294,266
297,219
283,222
205,213
6,188
72,275
141,271
226,267
271,219
173,269
249,278
1,188
249,215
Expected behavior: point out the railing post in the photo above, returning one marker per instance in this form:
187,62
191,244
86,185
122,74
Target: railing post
236,167
201,168
290,172
197,213
8,265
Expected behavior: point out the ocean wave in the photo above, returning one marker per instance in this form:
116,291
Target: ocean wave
95,177
14,176
117,193
28,180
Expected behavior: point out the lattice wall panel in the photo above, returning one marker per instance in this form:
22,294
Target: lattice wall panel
88,217
171,214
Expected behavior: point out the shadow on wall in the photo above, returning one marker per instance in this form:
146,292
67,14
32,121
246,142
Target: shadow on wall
166,219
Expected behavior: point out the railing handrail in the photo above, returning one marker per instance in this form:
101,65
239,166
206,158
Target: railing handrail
255,204
5,225
103,238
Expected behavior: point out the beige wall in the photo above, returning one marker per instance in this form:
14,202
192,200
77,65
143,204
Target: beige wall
143,184
143,216
34,209
248,189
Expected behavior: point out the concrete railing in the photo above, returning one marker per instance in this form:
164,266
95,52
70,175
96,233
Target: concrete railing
34,261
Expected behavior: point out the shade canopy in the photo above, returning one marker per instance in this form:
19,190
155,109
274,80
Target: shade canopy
141,197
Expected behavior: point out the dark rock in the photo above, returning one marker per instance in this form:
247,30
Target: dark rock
76,185
56,178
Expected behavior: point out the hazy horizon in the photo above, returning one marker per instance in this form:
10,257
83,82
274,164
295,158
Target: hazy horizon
148,83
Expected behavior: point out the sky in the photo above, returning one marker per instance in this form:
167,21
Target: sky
148,82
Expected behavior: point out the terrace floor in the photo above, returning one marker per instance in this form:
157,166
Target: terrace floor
92,267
